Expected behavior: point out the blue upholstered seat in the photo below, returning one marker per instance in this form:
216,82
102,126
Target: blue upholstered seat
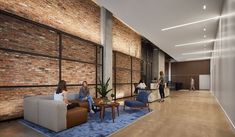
140,102
134,103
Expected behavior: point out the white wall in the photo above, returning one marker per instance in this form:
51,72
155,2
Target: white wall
223,62
204,82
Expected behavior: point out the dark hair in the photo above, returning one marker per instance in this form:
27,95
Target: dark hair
86,88
141,81
84,82
161,73
61,86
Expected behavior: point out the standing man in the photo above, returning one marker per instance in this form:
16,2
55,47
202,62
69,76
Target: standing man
192,84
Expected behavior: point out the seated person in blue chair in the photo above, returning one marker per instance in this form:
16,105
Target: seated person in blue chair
140,102
141,85
84,94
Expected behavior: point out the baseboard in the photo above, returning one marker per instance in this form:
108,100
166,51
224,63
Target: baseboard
11,119
230,121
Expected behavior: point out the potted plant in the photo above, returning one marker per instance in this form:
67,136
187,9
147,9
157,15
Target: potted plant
113,96
103,89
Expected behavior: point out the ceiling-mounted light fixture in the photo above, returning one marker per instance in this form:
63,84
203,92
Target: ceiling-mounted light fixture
202,58
200,21
204,29
204,7
198,52
194,43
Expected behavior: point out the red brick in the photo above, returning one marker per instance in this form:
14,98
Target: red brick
21,69
78,17
18,35
76,72
78,49
125,40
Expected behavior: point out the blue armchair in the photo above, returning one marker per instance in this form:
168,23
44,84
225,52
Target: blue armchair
140,102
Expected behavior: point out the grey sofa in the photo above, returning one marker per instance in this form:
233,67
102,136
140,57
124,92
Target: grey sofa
46,112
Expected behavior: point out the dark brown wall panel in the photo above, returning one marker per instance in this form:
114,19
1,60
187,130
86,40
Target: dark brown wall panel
77,17
183,71
11,100
78,50
21,69
21,36
76,72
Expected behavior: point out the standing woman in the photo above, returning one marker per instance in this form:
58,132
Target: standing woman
84,94
61,95
161,86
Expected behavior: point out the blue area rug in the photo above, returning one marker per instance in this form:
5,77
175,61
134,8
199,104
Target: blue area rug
94,127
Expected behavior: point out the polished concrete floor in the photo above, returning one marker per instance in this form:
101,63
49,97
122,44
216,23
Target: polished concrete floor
183,114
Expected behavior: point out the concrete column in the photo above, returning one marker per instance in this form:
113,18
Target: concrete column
106,41
161,62
169,71
158,63
155,70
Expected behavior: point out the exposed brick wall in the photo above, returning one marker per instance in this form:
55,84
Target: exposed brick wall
78,50
123,91
21,69
76,72
136,67
123,61
11,100
136,76
123,76
17,69
125,40
77,17
136,64
22,36
123,73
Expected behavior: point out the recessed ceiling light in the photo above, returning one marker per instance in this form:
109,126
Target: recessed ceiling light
202,58
198,42
198,52
204,7
204,29
200,21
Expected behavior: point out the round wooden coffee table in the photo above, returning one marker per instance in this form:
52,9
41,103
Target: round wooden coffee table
111,105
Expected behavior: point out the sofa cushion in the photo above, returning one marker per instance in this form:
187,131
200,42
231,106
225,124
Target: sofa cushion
134,103
52,114
76,116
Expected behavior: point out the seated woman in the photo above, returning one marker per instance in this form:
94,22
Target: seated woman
61,95
141,85
84,94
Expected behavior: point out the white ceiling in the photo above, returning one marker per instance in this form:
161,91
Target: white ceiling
148,17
